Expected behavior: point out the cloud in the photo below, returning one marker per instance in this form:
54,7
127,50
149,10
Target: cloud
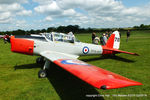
48,18
15,7
25,13
86,13
97,12
5,17
11,9
41,2
69,12
51,8
20,23
12,1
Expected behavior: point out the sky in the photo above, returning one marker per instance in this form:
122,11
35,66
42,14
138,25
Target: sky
40,14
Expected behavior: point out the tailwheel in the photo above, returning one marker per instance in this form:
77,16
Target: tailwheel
42,74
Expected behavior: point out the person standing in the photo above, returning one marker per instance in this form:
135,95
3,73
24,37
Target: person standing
128,35
109,34
70,33
96,40
106,33
71,37
104,39
101,39
93,37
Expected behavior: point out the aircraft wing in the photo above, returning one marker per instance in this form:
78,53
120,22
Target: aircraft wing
52,56
93,75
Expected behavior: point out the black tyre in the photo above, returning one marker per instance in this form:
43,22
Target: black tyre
42,74
40,60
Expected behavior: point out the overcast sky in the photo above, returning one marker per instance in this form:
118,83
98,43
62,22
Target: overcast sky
39,14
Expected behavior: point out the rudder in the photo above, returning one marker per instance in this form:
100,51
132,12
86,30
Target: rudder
114,40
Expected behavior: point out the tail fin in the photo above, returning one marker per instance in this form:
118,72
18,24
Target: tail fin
114,40
113,45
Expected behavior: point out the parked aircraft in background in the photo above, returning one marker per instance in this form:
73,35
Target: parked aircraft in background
1,36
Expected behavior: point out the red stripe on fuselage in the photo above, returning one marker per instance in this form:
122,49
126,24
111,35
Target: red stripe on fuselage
107,51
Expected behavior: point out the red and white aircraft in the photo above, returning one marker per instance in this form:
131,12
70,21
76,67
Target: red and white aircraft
1,36
63,50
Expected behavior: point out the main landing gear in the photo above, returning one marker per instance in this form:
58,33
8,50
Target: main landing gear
40,60
43,72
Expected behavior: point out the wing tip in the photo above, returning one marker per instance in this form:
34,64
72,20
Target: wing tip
116,84
136,54
122,86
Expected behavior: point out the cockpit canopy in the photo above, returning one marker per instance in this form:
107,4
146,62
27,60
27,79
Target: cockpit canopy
54,36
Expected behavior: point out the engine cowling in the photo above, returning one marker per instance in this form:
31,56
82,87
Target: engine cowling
22,45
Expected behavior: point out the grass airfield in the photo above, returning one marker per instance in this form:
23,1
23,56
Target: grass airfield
19,79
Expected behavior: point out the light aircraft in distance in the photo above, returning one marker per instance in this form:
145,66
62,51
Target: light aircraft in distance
1,36
63,50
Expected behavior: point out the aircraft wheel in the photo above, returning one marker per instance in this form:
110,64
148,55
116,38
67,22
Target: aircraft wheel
42,74
39,60
114,55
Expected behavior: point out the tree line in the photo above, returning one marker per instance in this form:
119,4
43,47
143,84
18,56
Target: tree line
142,26
72,28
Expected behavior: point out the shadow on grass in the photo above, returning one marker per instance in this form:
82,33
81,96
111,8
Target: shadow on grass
70,87
28,66
109,57
66,85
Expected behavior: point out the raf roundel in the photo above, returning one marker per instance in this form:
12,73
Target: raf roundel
74,62
85,50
